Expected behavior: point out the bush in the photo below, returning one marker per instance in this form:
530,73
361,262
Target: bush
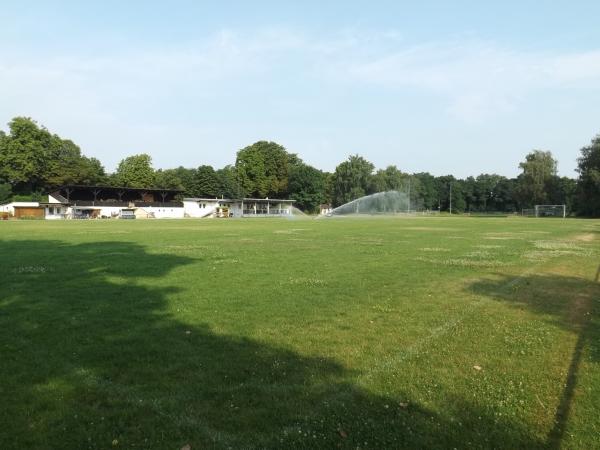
33,197
5,192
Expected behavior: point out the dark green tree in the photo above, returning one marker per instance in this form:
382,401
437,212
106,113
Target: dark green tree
229,184
539,166
389,179
307,187
24,153
262,169
135,171
428,191
352,179
206,182
485,191
561,191
187,178
168,179
66,165
91,171
32,159
5,192
588,184
504,195
451,190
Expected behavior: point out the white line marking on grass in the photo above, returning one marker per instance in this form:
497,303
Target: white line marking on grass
442,330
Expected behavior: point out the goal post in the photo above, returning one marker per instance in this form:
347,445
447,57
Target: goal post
550,211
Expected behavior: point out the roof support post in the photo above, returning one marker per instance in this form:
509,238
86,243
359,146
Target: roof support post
96,192
68,192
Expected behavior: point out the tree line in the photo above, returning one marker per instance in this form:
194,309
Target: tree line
34,161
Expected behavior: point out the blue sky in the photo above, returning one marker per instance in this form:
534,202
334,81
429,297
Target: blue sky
446,87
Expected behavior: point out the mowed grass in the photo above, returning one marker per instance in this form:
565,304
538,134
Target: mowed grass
333,333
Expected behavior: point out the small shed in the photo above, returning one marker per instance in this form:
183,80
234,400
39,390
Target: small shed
325,209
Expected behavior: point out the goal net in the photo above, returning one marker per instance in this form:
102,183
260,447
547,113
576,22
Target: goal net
550,210
528,212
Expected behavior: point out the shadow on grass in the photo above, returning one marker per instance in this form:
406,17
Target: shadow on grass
90,354
569,302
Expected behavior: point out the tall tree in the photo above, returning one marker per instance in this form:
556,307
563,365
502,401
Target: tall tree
561,191
135,171
168,179
539,166
206,182
65,164
450,191
485,191
428,191
32,159
389,179
504,195
352,179
588,184
229,184
262,169
91,171
23,154
187,179
307,187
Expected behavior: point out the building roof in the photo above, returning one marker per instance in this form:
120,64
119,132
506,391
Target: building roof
56,195
268,200
245,199
20,204
125,188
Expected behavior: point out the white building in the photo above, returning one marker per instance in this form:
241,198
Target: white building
22,209
96,202
93,202
244,207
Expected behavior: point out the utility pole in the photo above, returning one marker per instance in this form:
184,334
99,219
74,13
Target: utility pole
409,195
451,198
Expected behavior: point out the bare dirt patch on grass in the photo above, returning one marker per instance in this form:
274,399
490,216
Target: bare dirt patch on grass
585,237
462,262
431,229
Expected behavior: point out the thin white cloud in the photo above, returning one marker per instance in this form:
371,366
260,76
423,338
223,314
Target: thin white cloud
475,80
478,80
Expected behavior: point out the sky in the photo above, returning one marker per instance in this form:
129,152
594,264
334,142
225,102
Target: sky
461,87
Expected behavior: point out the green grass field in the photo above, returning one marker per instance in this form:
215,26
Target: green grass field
334,333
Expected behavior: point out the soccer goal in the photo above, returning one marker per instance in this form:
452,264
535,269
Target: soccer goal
550,210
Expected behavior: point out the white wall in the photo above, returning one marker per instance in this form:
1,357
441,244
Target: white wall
52,199
165,212
199,208
159,212
10,207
